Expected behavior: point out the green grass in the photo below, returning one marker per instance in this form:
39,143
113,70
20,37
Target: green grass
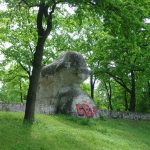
60,132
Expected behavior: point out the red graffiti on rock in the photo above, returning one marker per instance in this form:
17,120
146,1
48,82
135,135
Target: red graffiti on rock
86,110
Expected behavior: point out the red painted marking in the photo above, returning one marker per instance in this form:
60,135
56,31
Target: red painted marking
85,110
80,110
94,110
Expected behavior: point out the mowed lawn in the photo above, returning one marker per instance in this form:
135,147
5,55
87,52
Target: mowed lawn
58,132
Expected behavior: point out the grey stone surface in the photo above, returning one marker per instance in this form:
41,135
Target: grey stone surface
59,87
18,107
124,115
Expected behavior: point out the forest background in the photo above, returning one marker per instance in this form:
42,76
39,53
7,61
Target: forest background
112,35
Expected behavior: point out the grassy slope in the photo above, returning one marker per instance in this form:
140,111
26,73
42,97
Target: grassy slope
66,133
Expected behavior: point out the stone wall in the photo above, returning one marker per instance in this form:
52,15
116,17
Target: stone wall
103,113
124,115
18,107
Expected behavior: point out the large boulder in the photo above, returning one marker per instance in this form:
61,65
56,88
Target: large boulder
59,87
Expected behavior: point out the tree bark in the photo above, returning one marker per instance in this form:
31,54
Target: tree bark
133,96
37,59
148,86
31,97
125,100
109,94
92,84
21,94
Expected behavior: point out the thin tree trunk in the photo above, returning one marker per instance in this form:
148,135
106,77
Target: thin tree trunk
148,85
21,94
109,94
126,100
133,96
92,85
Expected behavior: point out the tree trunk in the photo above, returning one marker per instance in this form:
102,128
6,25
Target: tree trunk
110,97
133,96
125,100
148,85
21,95
31,97
43,12
92,85
109,94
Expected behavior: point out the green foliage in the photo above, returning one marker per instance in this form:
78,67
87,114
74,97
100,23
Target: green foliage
14,84
112,36
85,87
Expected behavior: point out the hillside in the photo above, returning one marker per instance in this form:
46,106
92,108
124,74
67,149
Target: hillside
59,132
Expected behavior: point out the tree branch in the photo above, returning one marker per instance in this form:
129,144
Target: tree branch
92,3
39,20
49,19
119,81
10,79
31,50
24,68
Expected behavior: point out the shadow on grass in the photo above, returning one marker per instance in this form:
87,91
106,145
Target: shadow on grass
14,135
13,132
76,120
